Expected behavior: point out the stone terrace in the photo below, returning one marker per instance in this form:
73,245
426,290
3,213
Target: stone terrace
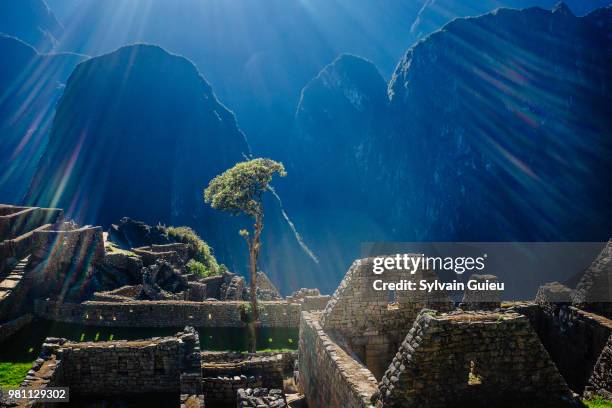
18,229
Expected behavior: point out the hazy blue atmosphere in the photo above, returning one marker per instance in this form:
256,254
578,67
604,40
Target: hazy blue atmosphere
414,120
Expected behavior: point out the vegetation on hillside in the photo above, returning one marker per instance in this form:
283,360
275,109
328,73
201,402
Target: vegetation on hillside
204,262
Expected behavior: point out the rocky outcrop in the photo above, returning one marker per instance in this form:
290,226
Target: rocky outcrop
129,233
118,268
162,282
266,290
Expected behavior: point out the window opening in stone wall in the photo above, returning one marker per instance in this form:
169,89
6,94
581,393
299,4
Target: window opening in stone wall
391,299
473,377
159,365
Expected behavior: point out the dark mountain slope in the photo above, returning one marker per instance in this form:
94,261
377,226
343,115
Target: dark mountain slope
505,122
31,21
139,133
30,85
495,128
348,94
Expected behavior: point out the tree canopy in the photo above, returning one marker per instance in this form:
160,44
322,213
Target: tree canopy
239,189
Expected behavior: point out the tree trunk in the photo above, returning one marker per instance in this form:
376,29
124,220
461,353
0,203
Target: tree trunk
253,256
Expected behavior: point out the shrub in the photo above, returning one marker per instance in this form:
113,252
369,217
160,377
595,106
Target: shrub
199,269
200,250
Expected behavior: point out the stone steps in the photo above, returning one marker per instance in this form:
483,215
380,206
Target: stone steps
13,278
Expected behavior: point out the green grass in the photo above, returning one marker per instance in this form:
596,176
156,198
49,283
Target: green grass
12,374
598,402
271,350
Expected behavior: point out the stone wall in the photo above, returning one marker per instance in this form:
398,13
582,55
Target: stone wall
600,382
372,322
594,290
167,364
13,250
122,367
475,358
313,303
176,253
62,262
13,326
574,338
328,375
166,313
16,221
14,292
221,391
260,398
268,369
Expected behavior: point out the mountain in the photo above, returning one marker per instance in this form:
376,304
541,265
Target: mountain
31,21
434,14
259,55
494,128
348,94
138,132
505,123
30,85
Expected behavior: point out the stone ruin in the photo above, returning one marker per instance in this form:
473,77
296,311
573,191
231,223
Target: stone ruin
369,321
472,357
266,290
479,299
60,271
409,349
594,290
42,255
224,374
261,397
148,368
366,348
161,281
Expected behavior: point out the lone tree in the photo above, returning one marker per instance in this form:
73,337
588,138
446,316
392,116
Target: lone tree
240,190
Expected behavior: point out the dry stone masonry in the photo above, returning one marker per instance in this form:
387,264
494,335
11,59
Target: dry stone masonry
369,321
472,357
481,299
360,348
261,398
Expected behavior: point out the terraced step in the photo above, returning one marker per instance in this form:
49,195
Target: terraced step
13,278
